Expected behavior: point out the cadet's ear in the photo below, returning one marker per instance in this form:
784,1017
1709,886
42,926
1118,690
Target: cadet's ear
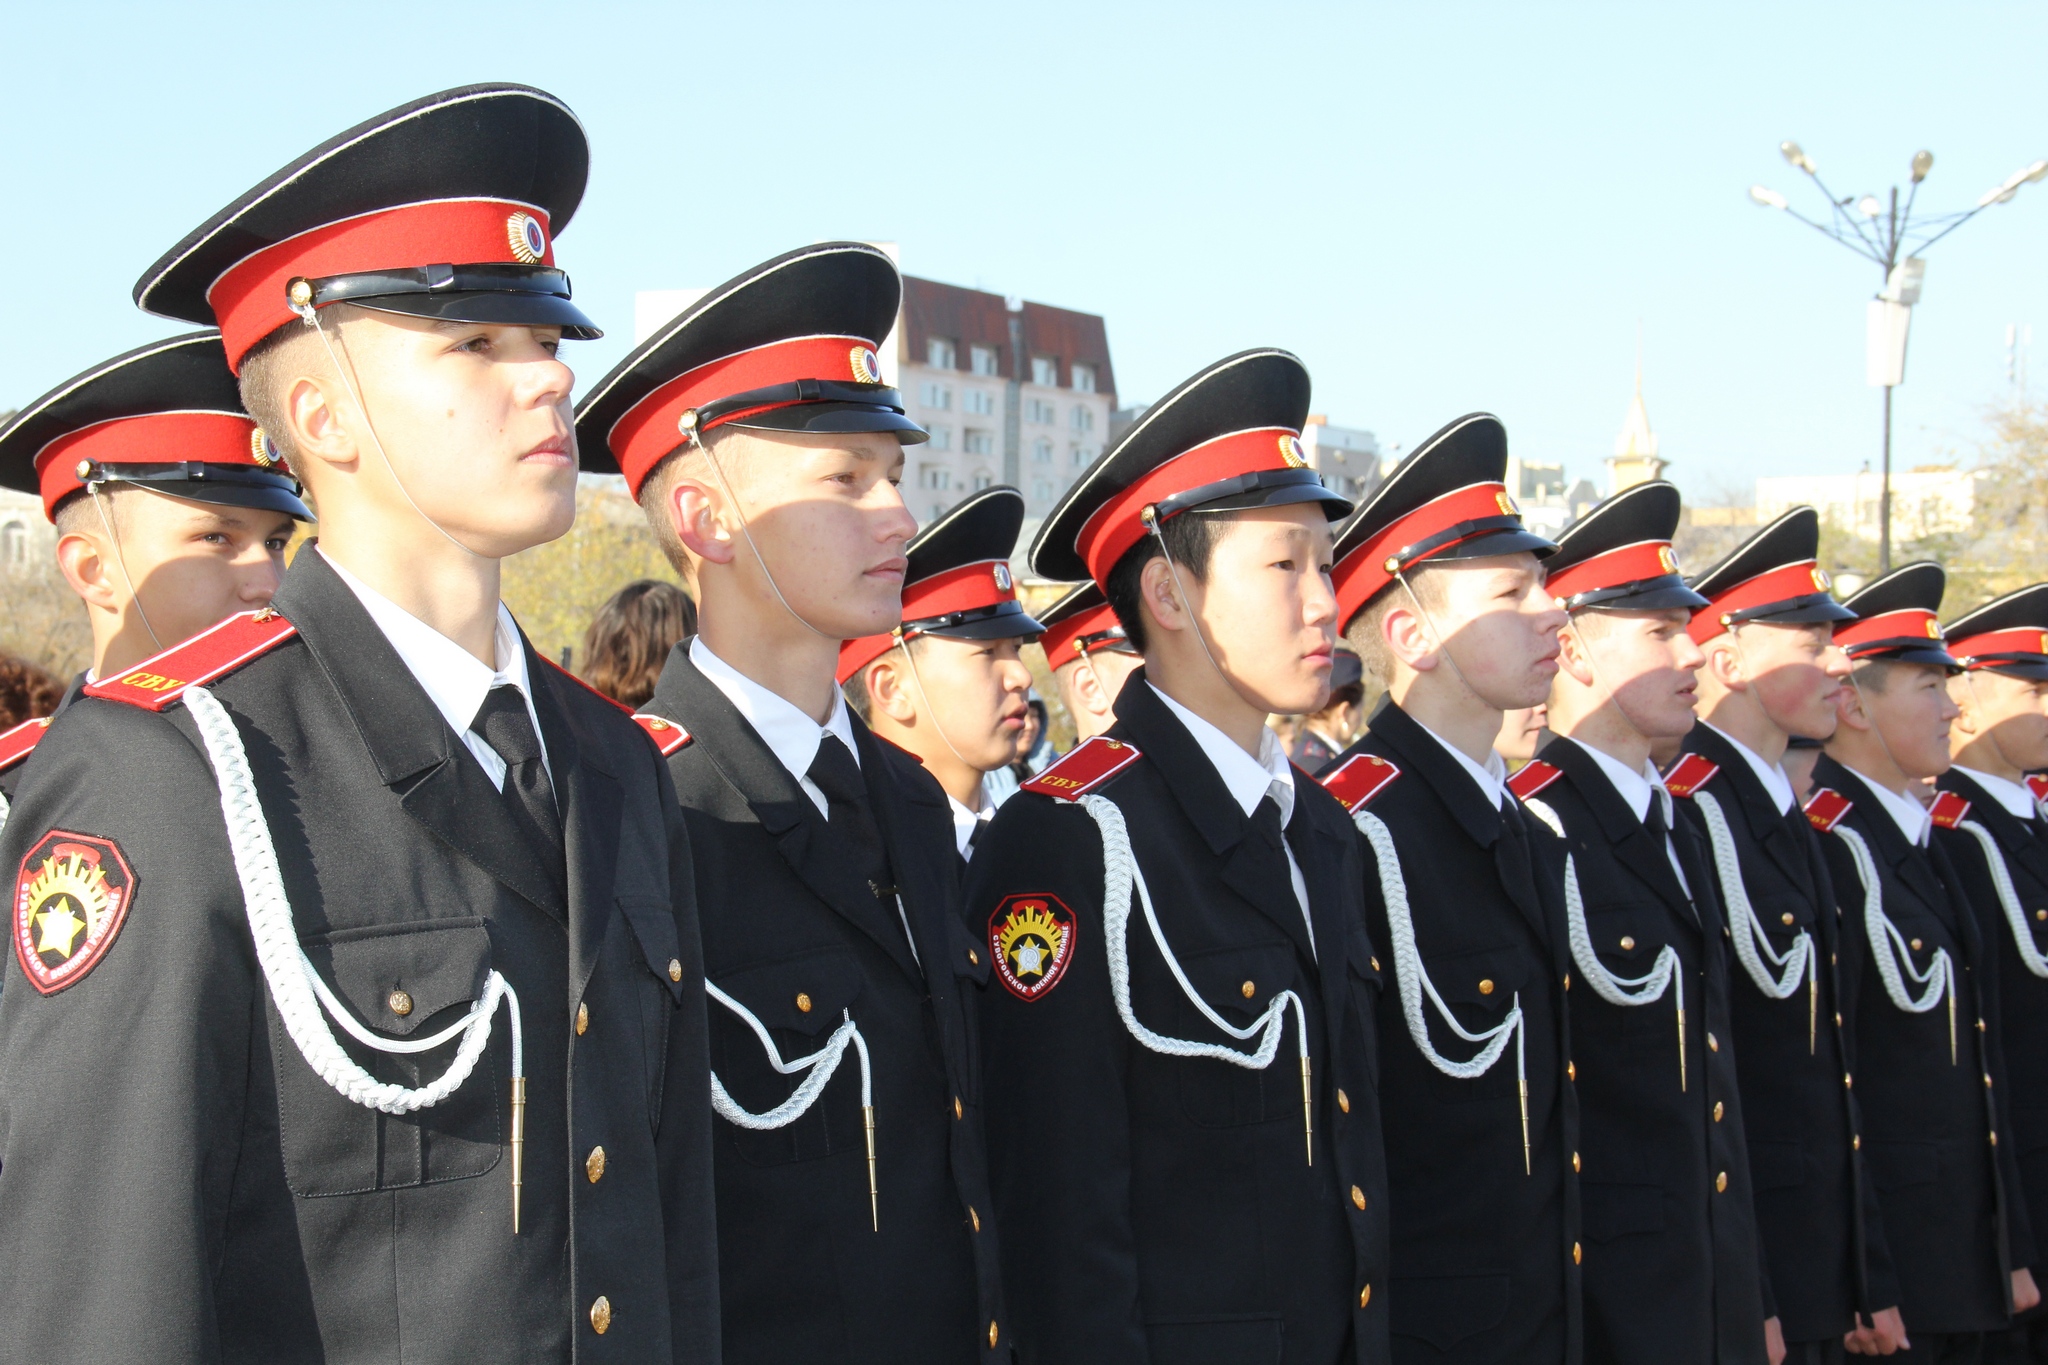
693,508
85,565
1724,664
1849,707
889,690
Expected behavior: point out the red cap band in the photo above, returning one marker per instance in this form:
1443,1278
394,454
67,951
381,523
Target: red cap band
153,438
1061,641
249,298
1784,584
970,587
1629,564
1971,647
1363,572
1119,523
1912,623
651,429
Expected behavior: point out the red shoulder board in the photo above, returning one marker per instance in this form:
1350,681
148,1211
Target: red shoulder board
1689,774
213,653
1358,779
1825,808
1086,767
20,742
666,734
1948,810
1533,777
2037,783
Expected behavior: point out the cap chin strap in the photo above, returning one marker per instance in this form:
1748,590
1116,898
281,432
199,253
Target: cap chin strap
1600,679
697,435
924,698
1863,701
92,491
1151,518
1442,645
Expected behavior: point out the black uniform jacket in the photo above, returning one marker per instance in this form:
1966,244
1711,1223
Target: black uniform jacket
1671,1271
2021,1004
188,1189
797,936
1816,1212
11,770
1944,1172
1485,1249
1159,1207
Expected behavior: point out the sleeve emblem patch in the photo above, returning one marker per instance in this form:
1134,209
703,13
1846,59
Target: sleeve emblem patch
71,896
1031,938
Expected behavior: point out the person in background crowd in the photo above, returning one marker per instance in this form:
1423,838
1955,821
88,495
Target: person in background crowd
27,692
1034,753
1927,1054
1090,656
1327,732
1521,731
630,637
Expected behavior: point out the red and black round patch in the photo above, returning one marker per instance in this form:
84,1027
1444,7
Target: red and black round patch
71,896
1031,940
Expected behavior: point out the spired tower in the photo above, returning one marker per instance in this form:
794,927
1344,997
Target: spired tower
1635,458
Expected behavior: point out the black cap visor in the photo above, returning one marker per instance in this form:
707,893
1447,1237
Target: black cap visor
1665,593
1265,488
833,418
2025,667
1509,537
225,485
489,307
1004,621
1796,611
1904,650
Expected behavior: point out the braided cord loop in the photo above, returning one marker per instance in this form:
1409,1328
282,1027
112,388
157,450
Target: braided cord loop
1615,990
1888,946
295,986
819,1068
2009,900
1752,945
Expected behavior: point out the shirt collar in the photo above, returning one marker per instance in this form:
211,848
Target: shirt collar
1908,814
1770,774
1492,779
455,680
1249,779
789,734
2014,796
964,820
1636,788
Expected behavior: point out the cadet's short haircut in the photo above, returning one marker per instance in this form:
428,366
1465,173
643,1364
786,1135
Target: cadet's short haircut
76,515
1364,634
274,362
687,460
1191,542
1873,675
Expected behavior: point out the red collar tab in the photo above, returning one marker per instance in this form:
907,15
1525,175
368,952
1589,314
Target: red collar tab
1826,807
1787,583
157,682
18,743
1973,650
967,587
250,299
1629,564
1087,766
1358,779
2038,785
1371,565
1533,777
666,734
1689,774
1870,633
1948,809
1067,640
151,438
654,426
1119,523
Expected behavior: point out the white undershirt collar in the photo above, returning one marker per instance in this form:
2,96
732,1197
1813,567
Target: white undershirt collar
1908,814
1492,779
1638,789
789,734
2014,796
965,821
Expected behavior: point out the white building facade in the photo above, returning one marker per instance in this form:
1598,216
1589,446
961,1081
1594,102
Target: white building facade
1930,500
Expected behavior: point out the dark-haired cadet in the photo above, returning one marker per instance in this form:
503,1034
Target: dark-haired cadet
1671,1258
1090,657
1182,1125
1920,981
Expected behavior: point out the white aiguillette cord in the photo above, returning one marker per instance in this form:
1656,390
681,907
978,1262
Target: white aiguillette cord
2008,900
1752,944
1888,948
297,988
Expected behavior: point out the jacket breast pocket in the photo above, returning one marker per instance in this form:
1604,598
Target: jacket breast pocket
656,972
1240,983
798,1001
1479,987
404,982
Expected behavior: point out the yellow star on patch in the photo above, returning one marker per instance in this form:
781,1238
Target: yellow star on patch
59,930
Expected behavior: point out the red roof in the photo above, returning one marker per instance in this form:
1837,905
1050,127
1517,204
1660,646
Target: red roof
973,317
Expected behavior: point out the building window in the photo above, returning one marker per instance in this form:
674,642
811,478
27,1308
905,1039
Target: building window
1044,413
934,476
1084,418
1084,378
1045,370
980,442
1042,452
983,479
1042,489
1082,456
984,359
980,402
937,395
938,353
13,544
941,439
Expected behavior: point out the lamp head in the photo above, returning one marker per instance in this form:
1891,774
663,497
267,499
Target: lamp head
1769,198
1923,162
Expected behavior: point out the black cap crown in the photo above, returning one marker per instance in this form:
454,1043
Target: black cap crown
2008,634
1618,557
1897,618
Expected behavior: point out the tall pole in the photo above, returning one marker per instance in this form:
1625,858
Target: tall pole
1884,495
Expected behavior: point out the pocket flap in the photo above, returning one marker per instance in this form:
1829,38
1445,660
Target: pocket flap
1240,981
1487,979
807,993
396,978
654,925
1623,932
1444,1310
1365,963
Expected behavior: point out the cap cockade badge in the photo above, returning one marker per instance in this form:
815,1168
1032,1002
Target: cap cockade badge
1668,559
1002,576
260,448
1506,504
1290,451
1031,938
867,366
1821,581
528,238
71,897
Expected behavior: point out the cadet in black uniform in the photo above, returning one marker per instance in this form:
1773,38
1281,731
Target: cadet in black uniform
152,474
957,706
853,1208
1179,1046
1671,1272
2001,736
1090,657
1919,978
1441,591
355,1011
1773,676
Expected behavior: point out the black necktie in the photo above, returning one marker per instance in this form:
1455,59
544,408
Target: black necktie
505,725
1511,856
846,810
1653,818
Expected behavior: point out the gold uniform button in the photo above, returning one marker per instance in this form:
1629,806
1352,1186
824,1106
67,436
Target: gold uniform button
1376,961
582,1019
1987,1080
1916,945
1713,1043
1787,917
593,1166
1365,1296
2041,914
1628,943
958,1112
1248,990
1856,1142
401,1003
1980,1026
675,970
1486,987
1575,1163
1717,1111
1994,1138
1838,1018
1576,1253
601,1315
1571,1071
973,958
1567,980
991,1333
1358,1196
974,1218
1848,1081
1721,1183
1343,1100
803,1003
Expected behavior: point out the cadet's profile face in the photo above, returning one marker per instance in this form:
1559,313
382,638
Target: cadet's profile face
1520,728
1088,688
1646,661
1912,712
1267,607
976,690
2013,711
1796,672
1501,627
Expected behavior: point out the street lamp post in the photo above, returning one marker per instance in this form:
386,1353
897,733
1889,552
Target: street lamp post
1888,234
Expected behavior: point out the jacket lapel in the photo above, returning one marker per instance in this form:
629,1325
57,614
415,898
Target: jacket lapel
1888,842
1766,822
591,802
925,875
2016,838
1635,847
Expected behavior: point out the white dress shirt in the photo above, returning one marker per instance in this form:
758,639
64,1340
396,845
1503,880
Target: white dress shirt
966,821
1907,813
455,680
2014,796
1638,789
1250,781
1492,779
789,734
1770,774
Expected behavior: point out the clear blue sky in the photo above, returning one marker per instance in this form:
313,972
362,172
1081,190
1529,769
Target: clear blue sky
1440,207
